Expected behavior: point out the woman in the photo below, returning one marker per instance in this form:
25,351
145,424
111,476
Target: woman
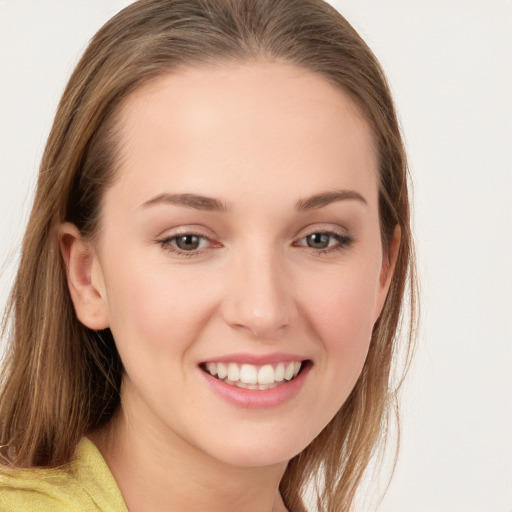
212,276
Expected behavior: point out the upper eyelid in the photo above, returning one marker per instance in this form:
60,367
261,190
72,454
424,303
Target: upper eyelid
184,233
310,230
186,230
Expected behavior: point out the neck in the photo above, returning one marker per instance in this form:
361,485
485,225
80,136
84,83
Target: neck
158,473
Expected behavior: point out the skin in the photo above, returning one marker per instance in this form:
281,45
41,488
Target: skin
258,137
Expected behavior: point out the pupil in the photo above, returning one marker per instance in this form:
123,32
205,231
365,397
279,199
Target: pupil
188,242
318,240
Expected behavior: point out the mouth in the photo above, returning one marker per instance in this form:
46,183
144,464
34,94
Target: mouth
255,377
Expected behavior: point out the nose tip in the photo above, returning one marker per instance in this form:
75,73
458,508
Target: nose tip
261,322
260,301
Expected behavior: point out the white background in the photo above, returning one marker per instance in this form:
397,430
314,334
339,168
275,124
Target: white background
449,65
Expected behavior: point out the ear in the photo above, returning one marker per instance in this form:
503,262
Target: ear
85,278
388,267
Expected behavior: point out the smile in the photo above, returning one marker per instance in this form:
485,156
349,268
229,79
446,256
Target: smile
249,376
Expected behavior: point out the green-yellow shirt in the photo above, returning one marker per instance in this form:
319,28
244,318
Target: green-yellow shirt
87,485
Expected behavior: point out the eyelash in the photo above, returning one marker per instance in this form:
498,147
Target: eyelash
344,241
167,244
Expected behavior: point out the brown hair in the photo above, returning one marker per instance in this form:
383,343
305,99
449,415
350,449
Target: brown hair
61,380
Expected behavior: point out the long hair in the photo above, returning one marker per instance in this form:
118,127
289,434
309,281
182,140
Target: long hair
61,380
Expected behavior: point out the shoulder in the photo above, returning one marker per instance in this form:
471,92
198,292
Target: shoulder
85,486
40,490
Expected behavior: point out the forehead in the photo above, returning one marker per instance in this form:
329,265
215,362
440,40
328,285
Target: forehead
253,125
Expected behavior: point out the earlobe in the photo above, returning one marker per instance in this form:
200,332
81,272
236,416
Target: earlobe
84,277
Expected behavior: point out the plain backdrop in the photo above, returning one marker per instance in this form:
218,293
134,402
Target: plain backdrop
449,66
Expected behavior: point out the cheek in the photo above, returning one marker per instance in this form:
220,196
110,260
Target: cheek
338,308
342,312
152,310
343,302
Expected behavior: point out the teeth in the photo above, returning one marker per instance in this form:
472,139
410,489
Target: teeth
279,372
266,375
267,386
233,372
288,373
249,376
222,370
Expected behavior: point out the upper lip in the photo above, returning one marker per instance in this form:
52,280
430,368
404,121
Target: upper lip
255,359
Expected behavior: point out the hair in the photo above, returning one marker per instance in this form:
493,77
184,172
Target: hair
61,380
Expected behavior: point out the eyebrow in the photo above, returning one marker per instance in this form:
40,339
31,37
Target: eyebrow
325,198
199,202
194,201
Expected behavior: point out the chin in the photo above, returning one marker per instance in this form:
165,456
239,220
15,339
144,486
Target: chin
252,449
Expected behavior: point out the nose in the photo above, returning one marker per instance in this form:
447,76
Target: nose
259,295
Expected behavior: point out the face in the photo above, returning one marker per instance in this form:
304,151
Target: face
239,245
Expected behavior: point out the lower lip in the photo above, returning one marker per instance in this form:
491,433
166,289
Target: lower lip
254,398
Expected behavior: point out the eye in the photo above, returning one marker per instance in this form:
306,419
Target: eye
186,244
319,240
325,241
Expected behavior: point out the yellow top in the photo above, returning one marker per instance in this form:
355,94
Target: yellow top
87,485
